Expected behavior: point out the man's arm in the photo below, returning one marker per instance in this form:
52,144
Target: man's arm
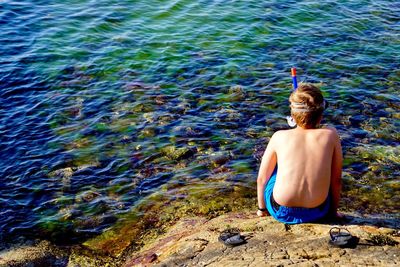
267,166
336,174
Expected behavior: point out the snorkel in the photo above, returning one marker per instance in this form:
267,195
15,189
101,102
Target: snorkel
290,119
294,78
302,106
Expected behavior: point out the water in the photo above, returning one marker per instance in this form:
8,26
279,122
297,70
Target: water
106,105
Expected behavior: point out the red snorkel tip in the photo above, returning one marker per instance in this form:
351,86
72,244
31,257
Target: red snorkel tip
293,72
294,78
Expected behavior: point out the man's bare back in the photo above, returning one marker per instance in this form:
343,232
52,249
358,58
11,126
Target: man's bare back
309,166
305,161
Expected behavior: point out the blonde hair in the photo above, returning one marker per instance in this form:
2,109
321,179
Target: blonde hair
307,105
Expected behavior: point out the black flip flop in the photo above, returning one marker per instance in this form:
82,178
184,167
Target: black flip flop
342,238
231,237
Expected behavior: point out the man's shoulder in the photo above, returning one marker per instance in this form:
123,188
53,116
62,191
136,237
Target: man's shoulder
331,133
281,133
330,130
278,136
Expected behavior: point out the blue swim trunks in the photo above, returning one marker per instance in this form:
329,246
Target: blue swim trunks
292,215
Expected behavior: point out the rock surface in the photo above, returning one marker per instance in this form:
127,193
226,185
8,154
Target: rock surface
33,253
194,242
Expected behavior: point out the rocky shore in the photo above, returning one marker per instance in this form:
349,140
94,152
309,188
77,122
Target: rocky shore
193,241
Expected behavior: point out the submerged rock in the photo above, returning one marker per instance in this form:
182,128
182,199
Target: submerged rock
69,213
218,159
388,154
236,93
175,153
87,196
64,173
149,131
359,133
228,115
356,120
140,85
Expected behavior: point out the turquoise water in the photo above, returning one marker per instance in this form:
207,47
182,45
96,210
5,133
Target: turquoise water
105,103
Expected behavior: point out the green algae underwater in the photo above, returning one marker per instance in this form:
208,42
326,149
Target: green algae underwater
130,115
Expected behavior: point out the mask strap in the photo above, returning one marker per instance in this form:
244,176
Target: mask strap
302,107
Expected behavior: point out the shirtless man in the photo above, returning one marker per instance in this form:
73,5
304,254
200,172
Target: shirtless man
300,174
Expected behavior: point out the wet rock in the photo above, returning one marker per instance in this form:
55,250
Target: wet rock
396,115
69,213
258,152
87,222
236,93
227,115
191,131
384,154
149,131
174,153
359,133
78,257
218,159
356,120
161,99
359,167
40,254
142,107
140,85
181,108
100,206
120,237
63,173
79,143
222,170
87,196
164,119
150,117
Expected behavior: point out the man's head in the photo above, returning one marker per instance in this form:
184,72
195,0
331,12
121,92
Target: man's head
307,105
